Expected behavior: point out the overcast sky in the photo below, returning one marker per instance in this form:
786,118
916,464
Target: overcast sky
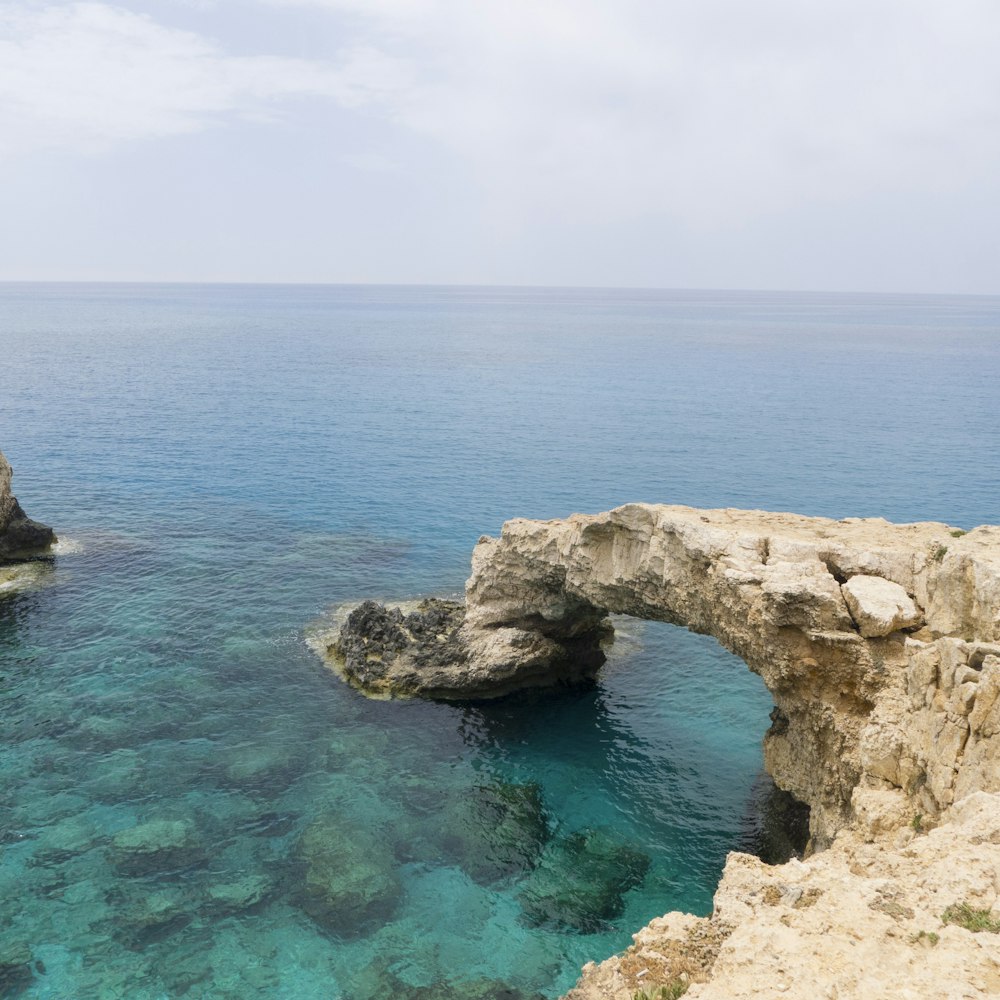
801,144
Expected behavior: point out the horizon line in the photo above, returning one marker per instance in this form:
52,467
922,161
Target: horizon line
482,285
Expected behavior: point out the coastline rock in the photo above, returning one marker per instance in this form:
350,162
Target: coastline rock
429,653
20,537
860,920
879,607
382,650
855,706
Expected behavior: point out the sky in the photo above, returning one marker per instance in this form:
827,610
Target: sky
848,145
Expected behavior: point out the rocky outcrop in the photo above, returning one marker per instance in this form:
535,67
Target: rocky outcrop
20,537
880,645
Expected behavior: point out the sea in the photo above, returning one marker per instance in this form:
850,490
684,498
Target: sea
192,805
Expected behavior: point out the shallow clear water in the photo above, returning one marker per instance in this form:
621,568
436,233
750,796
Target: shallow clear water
227,464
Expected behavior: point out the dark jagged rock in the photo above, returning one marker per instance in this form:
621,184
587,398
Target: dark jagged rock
580,882
20,536
384,651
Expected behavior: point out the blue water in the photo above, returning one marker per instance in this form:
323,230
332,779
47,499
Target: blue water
227,464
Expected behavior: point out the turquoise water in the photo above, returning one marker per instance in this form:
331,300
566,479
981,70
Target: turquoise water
225,465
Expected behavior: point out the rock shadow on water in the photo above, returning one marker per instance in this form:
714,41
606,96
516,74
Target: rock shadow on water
775,825
580,882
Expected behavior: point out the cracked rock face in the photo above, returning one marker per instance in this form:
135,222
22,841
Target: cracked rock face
20,537
861,921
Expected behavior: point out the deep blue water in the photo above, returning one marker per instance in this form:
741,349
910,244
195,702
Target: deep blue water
227,464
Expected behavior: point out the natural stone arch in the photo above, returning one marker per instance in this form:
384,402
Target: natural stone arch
879,643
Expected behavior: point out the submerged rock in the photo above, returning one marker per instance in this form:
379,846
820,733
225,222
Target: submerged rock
20,537
64,840
497,831
15,968
157,847
152,916
261,769
350,881
472,989
580,882
239,894
377,981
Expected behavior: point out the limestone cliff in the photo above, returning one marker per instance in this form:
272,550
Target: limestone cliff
20,537
880,645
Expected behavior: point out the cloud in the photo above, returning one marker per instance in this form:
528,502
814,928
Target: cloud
86,76
707,110
714,115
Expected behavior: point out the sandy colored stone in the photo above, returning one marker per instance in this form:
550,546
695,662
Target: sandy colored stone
879,607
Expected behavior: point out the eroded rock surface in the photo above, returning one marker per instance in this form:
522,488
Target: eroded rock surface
20,537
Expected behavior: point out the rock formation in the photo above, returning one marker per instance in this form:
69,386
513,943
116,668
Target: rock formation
880,645
20,537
